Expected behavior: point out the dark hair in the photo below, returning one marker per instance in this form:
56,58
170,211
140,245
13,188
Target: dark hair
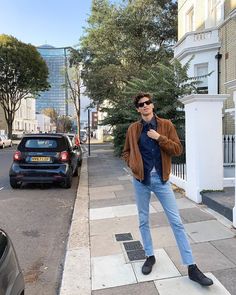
141,95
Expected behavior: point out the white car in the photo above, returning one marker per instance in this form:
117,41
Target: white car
5,141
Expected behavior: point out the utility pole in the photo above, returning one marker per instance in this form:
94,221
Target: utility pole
89,132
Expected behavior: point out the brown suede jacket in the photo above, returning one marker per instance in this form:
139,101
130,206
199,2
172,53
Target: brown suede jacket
168,141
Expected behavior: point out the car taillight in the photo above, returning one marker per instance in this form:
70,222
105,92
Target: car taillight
64,156
17,156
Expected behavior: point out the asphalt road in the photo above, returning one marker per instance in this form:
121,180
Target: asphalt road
37,220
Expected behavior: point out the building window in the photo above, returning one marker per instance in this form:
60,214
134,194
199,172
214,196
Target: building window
199,71
216,11
190,20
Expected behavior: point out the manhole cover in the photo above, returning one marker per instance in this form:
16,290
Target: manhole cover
136,255
130,246
123,237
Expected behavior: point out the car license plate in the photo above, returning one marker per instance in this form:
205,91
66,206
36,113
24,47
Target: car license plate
40,159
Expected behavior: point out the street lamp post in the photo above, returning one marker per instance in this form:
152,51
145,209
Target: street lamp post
89,132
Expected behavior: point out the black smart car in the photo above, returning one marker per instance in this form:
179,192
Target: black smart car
44,158
11,277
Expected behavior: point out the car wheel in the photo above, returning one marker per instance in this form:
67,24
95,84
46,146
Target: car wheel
68,181
14,183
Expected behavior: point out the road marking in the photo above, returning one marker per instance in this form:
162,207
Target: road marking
1,188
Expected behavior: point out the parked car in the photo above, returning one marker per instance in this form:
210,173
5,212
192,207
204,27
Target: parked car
44,158
11,277
83,136
5,141
76,144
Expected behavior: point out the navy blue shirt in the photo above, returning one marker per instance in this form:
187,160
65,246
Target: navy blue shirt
150,151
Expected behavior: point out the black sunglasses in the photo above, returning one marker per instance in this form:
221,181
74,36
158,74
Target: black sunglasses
147,102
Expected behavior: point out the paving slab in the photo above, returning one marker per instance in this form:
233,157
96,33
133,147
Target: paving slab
228,247
207,257
102,195
103,245
158,219
114,226
157,206
125,193
111,271
182,203
112,202
101,213
147,288
195,215
208,231
227,278
163,237
163,268
107,188
125,177
184,286
114,211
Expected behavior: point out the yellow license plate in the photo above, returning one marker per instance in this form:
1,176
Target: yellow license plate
40,159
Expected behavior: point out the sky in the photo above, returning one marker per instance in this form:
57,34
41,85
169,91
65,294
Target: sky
56,22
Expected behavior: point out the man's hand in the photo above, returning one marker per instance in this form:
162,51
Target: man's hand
153,134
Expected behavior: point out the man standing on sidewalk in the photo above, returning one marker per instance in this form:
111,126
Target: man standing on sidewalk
150,144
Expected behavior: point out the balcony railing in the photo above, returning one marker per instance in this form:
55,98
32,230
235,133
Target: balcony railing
194,40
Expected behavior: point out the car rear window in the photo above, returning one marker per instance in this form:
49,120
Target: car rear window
43,144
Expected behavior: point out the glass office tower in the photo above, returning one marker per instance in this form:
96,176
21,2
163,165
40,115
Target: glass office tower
57,96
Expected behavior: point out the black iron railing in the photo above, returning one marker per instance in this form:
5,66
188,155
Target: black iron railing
178,167
229,149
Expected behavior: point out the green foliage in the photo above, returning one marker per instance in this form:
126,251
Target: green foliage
126,49
122,40
23,73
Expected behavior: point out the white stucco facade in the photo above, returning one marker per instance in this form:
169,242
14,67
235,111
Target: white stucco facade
203,47
43,123
25,118
204,151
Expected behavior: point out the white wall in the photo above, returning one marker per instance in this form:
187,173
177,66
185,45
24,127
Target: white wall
200,58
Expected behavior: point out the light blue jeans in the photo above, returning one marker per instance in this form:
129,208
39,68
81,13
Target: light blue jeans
165,194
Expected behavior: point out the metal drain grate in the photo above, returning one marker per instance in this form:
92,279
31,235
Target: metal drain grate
123,237
131,246
136,255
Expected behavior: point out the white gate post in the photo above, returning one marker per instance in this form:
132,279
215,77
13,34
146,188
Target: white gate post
232,86
204,151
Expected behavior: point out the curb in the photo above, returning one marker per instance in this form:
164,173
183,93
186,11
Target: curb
76,277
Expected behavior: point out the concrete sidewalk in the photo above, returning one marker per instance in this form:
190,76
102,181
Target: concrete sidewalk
104,254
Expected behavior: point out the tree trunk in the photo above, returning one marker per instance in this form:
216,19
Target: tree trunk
78,122
9,127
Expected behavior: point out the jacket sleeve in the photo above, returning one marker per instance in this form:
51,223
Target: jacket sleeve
171,143
126,150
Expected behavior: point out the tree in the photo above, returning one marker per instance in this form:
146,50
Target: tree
52,114
64,124
122,43
73,81
23,73
167,83
122,40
